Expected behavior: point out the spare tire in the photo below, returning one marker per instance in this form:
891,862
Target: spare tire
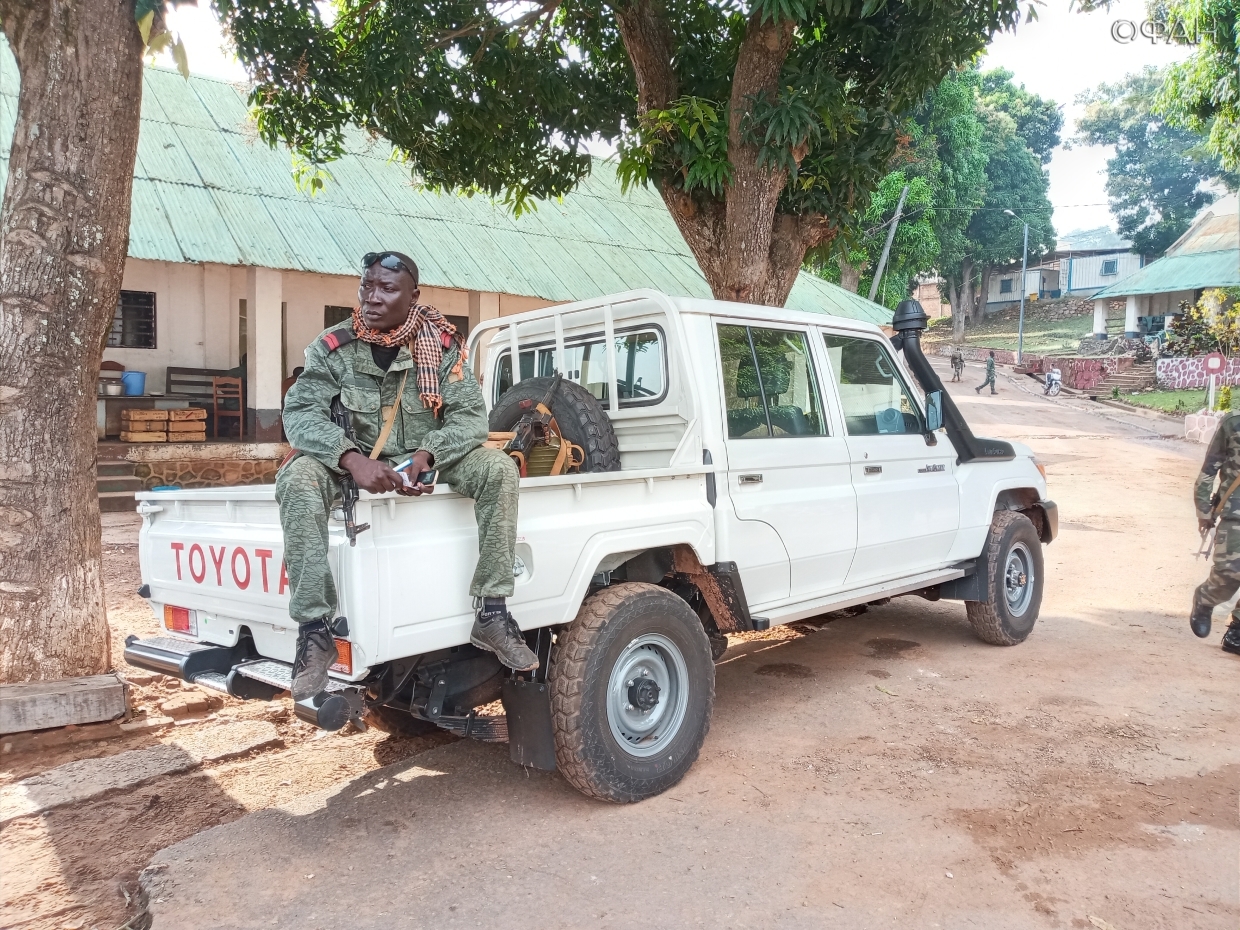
581,419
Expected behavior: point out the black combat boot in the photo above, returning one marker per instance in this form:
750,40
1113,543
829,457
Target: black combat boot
1231,638
316,653
1199,619
495,631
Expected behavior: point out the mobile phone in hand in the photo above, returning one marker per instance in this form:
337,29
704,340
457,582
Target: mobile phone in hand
427,478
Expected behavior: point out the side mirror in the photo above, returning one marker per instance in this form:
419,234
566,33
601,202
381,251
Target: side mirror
934,410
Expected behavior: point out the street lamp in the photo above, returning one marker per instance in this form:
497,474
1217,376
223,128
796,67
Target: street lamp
1024,257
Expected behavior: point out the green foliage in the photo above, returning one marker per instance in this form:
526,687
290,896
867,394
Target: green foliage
1202,94
1038,121
1160,175
502,99
1015,181
1223,401
149,15
1212,324
914,249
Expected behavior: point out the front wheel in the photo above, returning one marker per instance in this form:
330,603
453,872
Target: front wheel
632,688
1013,558
1053,389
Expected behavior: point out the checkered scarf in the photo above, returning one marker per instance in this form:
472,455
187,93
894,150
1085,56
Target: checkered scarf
428,336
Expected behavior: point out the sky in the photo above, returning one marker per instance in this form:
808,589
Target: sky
1058,56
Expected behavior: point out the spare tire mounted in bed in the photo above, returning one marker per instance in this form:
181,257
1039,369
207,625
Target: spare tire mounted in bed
571,428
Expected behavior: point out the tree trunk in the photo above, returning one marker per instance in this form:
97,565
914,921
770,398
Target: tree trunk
954,300
850,275
983,295
64,235
744,248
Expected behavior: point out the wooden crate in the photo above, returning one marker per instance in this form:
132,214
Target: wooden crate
187,426
200,436
188,414
144,436
144,414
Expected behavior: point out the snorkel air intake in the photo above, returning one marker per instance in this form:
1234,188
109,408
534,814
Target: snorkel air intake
908,322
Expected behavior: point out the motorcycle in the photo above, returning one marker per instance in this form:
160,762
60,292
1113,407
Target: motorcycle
1054,380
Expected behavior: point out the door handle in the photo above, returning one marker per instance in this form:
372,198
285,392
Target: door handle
750,479
874,469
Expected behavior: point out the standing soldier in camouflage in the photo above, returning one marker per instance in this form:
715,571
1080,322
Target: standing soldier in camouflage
990,375
439,420
1223,506
957,363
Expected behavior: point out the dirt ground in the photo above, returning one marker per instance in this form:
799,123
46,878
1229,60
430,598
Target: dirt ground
881,770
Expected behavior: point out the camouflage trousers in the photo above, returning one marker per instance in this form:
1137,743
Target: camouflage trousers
305,489
1224,578
990,379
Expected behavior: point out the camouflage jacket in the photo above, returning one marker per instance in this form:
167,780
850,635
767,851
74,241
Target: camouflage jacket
1222,459
990,366
367,391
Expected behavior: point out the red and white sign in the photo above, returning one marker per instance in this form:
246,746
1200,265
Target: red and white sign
1215,362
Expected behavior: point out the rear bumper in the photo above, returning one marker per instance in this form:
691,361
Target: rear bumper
237,672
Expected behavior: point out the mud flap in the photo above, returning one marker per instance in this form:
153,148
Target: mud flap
530,738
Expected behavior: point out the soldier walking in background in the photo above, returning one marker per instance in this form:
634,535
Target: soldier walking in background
1220,510
990,375
957,363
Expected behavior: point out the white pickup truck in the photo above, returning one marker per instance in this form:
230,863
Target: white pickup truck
771,466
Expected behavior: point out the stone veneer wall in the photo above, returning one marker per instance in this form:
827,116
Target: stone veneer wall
207,465
1178,374
1081,374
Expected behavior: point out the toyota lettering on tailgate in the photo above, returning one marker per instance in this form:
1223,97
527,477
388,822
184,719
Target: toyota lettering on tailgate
238,563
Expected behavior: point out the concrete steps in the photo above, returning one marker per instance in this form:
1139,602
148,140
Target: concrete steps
1137,378
115,484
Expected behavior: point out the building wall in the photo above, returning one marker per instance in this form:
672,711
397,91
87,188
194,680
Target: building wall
198,309
1037,280
1083,274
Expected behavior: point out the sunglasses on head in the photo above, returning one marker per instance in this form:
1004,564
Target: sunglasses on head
389,261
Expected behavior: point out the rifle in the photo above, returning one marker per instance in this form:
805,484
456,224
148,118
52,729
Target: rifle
534,426
348,486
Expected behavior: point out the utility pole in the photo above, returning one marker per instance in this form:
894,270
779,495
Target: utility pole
1024,259
891,235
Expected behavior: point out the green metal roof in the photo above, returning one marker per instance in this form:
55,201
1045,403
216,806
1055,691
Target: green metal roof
1180,273
1207,255
207,190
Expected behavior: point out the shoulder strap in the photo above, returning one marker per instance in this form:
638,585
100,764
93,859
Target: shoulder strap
389,417
337,338
1222,501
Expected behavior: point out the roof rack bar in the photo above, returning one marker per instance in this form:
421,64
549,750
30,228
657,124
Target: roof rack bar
515,353
609,334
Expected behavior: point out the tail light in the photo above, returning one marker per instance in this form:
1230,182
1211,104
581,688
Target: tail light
344,664
180,620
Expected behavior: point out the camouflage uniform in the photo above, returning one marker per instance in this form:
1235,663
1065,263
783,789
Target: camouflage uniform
306,485
990,376
1222,459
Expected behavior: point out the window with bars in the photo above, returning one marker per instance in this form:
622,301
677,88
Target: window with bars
133,327
1110,266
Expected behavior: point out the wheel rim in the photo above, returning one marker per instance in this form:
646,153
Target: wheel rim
647,695
1018,580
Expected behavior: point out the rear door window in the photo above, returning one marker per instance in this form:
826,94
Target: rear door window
769,385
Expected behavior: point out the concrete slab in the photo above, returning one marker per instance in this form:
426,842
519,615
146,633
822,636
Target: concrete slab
87,778
38,705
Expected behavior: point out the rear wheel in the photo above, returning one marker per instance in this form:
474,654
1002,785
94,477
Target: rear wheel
632,688
1013,556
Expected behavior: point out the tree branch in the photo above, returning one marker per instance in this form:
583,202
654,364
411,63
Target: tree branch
648,42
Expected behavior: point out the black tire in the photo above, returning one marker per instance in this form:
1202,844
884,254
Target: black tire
582,419
397,722
617,629
1012,549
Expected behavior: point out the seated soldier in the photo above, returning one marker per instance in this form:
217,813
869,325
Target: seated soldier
391,339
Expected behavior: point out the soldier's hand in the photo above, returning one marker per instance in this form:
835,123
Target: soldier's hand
1204,524
371,475
421,463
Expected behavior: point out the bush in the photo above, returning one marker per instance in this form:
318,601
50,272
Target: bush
1223,402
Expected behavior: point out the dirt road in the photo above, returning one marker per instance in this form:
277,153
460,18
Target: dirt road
887,770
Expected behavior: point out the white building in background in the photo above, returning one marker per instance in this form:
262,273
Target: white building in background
1083,263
